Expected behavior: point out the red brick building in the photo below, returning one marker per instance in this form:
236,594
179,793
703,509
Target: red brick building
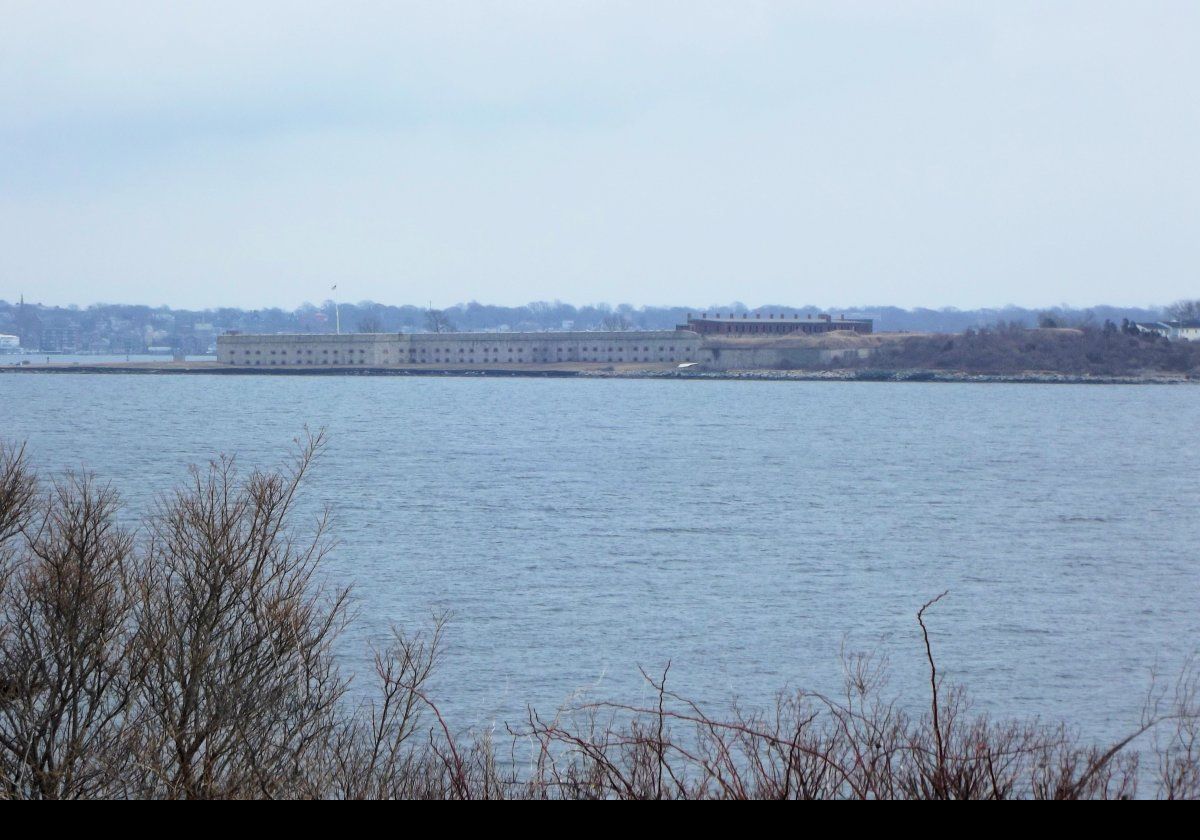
758,324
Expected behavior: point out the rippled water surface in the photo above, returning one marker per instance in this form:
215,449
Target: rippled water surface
744,531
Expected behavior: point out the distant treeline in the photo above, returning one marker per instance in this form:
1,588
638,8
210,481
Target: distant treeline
1107,349
132,328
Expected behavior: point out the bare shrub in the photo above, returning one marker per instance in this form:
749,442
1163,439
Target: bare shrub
856,746
384,749
1007,348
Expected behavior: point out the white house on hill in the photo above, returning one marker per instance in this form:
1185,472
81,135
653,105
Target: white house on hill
1174,330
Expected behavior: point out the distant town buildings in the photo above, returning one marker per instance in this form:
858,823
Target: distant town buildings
60,339
102,328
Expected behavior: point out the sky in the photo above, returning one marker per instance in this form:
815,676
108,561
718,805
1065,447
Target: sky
911,154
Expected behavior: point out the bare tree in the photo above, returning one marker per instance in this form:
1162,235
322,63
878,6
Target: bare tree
437,321
18,487
615,322
241,688
66,682
370,323
200,666
1183,310
379,753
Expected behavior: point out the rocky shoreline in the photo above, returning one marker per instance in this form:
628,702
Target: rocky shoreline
563,371
852,375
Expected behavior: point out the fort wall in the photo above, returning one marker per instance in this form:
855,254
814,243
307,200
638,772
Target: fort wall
381,350
401,350
767,357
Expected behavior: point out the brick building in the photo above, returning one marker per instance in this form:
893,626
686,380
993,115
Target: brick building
773,325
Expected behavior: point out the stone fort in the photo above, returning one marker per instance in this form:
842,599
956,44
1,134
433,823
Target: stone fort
692,342
394,349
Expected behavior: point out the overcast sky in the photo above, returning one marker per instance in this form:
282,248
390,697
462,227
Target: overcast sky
918,154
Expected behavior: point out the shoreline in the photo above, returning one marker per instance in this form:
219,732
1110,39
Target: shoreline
567,371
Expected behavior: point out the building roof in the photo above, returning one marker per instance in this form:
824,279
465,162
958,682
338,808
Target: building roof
1191,324
792,319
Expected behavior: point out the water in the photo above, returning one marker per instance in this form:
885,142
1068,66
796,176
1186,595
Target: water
745,531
